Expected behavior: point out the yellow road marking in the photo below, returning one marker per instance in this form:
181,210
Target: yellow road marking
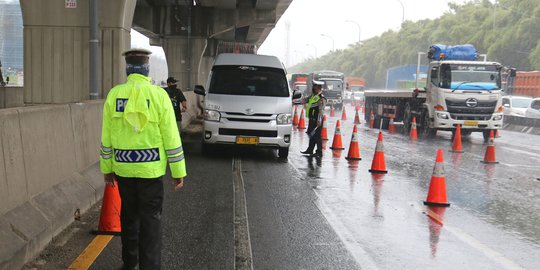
91,252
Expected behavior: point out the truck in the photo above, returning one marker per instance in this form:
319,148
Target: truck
460,90
355,89
524,83
334,86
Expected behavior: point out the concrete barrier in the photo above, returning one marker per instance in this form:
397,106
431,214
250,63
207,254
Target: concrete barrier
11,96
522,124
48,170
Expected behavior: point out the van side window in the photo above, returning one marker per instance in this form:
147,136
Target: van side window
535,105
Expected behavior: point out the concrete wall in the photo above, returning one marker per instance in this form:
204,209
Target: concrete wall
11,96
48,169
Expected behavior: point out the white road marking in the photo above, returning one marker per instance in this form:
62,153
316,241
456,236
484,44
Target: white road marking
362,258
243,256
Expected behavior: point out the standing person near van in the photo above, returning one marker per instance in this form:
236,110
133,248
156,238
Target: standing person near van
139,137
315,112
177,98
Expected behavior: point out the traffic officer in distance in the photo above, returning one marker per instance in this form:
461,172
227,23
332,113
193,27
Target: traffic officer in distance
139,137
177,98
316,103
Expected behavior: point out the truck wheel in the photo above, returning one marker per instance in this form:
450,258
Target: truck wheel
283,152
426,131
485,133
466,132
407,118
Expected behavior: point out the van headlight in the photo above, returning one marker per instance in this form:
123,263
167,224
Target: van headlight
497,117
212,115
283,119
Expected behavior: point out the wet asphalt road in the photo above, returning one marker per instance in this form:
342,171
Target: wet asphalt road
329,213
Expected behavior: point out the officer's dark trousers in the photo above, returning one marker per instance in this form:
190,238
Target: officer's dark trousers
142,201
316,139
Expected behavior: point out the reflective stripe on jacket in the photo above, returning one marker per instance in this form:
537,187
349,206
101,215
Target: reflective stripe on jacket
313,99
139,134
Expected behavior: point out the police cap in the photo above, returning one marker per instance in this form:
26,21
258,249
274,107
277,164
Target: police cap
319,83
137,56
137,52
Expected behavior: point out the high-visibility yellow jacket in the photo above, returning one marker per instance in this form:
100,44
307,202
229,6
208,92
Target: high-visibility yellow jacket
140,134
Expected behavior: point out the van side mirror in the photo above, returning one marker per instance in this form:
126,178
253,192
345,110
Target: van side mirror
297,94
199,90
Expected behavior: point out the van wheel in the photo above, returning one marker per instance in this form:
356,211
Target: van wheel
283,152
205,149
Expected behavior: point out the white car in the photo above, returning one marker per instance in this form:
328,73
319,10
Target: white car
247,102
515,105
533,111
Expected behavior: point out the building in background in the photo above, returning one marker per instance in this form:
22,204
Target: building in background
11,41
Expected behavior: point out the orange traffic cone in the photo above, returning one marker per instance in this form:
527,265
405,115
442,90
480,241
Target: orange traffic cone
302,122
343,114
378,165
413,134
324,132
109,219
456,146
489,157
371,120
337,144
332,112
354,149
357,118
295,117
391,127
437,187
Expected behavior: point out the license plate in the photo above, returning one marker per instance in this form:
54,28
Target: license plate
247,140
470,123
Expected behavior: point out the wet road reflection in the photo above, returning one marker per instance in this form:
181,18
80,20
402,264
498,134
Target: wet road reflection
495,207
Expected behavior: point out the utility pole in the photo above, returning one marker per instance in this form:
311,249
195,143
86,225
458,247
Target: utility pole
95,56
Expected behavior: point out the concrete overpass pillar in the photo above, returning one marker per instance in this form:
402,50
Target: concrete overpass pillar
176,51
56,48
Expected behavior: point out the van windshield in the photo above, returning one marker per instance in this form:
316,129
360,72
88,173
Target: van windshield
249,81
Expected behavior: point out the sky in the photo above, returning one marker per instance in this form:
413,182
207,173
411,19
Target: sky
342,21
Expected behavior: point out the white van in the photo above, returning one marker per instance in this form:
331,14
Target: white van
247,102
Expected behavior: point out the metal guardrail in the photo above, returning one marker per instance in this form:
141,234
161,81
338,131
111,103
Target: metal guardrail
522,124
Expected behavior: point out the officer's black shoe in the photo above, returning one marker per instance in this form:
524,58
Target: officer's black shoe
306,152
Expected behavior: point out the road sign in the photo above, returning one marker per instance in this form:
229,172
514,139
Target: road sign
71,3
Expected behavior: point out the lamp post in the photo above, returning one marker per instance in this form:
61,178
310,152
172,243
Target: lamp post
402,11
359,29
331,39
314,47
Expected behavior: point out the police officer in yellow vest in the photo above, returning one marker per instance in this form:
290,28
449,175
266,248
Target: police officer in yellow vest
139,137
315,111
